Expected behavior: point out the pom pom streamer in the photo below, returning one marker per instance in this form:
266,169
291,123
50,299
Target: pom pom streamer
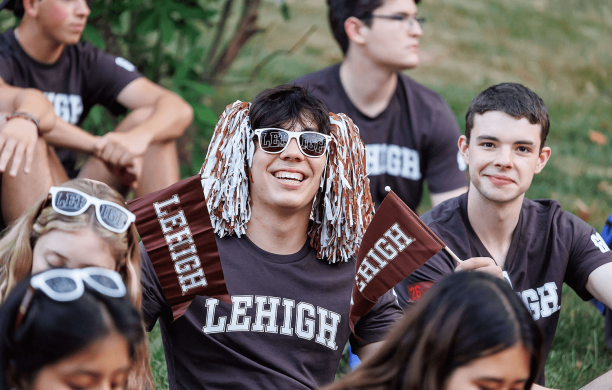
342,208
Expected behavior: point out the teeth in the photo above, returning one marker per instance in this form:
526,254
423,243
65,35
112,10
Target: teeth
289,175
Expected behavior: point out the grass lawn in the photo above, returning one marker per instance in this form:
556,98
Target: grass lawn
561,49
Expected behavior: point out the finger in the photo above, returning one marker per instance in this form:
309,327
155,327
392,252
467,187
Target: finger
7,153
107,151
29,158
115,157
17,158
126,159
492,270
99,146
474,263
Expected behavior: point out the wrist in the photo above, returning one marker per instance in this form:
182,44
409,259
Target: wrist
28,117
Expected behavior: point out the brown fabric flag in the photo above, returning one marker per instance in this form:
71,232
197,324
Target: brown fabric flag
395,244
175,228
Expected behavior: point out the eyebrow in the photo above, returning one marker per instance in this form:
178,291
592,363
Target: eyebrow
500,381
491,138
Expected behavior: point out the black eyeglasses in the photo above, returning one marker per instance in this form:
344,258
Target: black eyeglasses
411,19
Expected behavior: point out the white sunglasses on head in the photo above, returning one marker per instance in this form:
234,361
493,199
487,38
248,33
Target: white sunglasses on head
71,202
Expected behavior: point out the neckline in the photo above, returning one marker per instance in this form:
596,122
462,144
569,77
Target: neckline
345,97
16,43
276,258
514,243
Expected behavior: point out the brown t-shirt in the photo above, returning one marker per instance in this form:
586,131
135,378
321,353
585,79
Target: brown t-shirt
414,139
549,247
285,329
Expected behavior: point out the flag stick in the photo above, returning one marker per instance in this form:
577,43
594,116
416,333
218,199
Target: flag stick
454,256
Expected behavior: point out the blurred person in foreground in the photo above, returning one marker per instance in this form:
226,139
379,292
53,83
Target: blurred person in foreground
44,52
409,131
69,329
469,332
532,244
285,185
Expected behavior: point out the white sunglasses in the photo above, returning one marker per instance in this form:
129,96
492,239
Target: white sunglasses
273,141
71,202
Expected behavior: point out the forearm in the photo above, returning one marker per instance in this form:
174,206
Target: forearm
170,118
33,102
68,136
599,284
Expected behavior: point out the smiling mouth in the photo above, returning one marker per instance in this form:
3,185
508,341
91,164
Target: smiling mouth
292,176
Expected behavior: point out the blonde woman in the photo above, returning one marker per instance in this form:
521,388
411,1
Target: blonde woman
82,223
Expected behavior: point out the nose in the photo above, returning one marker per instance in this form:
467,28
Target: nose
416,30
504,158
82,8
293,152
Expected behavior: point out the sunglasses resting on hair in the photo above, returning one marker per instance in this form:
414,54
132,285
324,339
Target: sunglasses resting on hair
71,202
65,285
273,141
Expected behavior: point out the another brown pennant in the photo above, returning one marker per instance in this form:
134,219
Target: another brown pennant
175,228
395,245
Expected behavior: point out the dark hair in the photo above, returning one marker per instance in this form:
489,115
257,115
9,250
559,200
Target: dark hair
515,100
288,105
465,316
52,331
340,10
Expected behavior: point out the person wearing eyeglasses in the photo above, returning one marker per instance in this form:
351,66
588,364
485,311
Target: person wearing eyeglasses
409,131
289,200
69,329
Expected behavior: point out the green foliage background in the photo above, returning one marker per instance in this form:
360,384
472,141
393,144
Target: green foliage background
562,49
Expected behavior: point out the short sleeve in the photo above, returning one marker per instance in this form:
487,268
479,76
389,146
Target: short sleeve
416,284
443,171
105,77
154,302
587,253
6,72
374,326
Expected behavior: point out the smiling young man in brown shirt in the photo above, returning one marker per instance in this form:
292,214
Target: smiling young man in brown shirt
533,244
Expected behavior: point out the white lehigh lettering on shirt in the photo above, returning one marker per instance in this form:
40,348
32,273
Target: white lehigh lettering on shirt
180,243
266,320
393,160
67,107
386,248
543,303
600,242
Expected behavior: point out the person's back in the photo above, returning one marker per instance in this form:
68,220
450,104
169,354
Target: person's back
409,131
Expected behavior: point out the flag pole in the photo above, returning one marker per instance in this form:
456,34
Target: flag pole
454,256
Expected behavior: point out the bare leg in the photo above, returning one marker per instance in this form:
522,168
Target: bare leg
161,166
20,192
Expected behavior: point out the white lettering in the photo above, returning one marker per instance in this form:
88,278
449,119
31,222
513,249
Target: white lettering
210,327
288,305
325,327
270,314
195,279
600,242
240,304
399,238
530,299
549,302
388,251
177,219
301,321
160,205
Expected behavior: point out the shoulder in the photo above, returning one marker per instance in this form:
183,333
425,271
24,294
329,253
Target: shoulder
445,211
313,81
423,96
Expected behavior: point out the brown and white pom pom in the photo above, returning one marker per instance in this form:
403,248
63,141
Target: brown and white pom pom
343,207
225,175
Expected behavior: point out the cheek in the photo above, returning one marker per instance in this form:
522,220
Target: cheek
57,14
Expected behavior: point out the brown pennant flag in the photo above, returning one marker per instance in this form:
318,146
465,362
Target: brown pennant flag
395,244
175,228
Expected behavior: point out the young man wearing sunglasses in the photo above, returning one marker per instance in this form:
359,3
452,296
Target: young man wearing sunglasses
409,131
289,201
44,53
534,245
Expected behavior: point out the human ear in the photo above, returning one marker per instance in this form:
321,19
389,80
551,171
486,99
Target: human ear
31,7
464,149
542,159
353,29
